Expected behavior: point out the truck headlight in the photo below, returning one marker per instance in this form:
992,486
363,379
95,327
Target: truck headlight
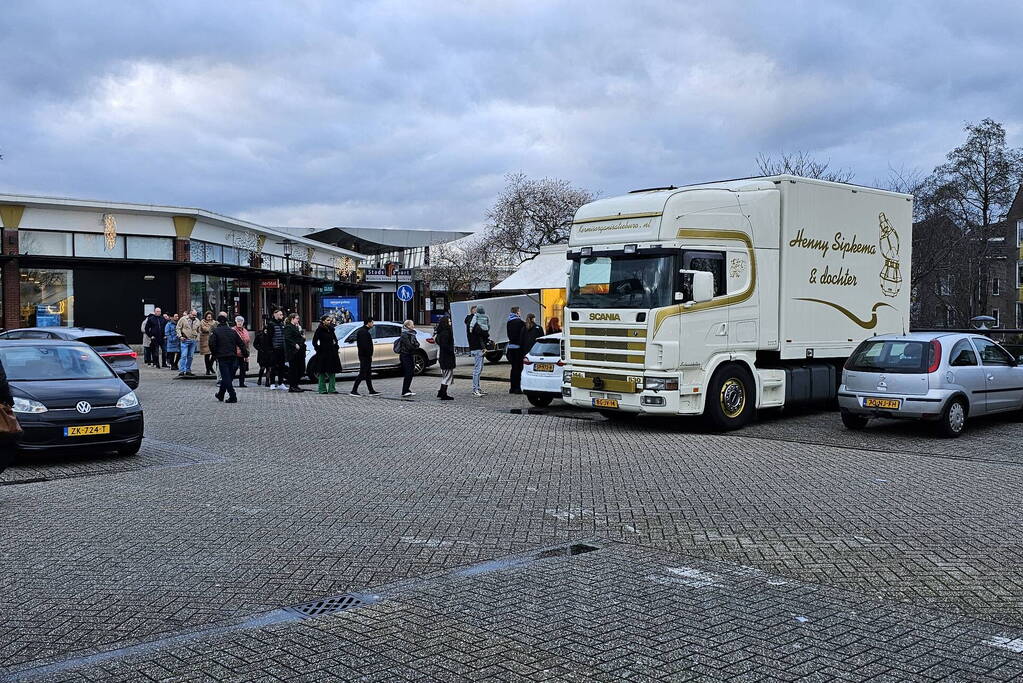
25,405
566,377
129,400
660,383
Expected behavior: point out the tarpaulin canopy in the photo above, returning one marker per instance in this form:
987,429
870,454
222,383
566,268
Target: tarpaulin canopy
548,270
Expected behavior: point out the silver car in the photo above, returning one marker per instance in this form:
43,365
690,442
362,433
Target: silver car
384,357
929,376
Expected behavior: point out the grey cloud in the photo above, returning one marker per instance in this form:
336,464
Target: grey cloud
397,113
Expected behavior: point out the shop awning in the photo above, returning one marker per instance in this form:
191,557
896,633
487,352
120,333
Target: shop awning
548,270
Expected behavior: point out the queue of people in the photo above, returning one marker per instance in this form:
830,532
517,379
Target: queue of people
171,341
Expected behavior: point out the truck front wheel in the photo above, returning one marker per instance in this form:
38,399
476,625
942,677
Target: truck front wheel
731,398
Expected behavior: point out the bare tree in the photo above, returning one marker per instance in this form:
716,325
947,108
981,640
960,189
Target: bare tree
802,164
530,214
468,265
974,190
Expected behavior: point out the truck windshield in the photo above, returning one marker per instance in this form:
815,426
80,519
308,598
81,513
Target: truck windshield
622,282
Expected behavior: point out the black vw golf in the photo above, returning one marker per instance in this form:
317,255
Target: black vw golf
66,396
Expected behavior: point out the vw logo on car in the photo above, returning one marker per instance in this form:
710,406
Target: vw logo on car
84,407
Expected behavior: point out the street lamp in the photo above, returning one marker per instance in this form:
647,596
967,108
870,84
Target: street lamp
287,246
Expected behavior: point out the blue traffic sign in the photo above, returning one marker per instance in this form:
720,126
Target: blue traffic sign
405,293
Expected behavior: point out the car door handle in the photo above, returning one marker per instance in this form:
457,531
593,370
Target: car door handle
991,377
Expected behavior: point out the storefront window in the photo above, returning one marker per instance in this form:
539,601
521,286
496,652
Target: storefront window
47,298
44,243
95,246
216,294
150,248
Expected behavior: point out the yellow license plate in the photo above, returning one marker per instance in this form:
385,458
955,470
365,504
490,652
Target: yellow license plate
605,403
888,403
87,430
543,367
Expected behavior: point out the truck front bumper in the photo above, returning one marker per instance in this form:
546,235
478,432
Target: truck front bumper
684,402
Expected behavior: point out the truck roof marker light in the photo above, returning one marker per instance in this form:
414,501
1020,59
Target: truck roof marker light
630,248
586,251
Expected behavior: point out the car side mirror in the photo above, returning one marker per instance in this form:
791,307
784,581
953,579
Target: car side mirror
697,286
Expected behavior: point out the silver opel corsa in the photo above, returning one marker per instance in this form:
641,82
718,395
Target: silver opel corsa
930,376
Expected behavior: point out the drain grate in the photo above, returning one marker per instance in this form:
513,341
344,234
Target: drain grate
569,551
338,603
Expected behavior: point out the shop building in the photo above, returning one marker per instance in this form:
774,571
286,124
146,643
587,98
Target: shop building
392,258
106,264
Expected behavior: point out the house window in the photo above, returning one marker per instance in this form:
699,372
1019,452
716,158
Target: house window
950,318
994,314
1019,314
995,286
1019,274
1019,233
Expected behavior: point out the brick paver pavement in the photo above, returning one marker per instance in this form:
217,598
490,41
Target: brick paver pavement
901,550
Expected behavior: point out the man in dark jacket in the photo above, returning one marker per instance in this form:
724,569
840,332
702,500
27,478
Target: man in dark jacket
225,345
364,344
294,351
275,328
6,440
515,354
154,330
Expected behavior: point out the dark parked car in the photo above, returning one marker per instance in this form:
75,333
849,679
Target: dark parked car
111,346
66,396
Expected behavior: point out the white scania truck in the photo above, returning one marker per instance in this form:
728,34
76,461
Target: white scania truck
723,298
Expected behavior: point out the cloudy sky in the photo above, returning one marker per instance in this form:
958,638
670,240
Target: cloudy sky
314,113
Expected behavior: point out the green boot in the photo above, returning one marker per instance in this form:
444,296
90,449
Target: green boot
322,384
331,384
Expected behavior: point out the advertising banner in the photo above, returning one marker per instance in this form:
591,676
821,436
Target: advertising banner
344,308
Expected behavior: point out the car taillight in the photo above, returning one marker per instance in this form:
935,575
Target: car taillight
429,340
120,354
935,356
526,361
561,363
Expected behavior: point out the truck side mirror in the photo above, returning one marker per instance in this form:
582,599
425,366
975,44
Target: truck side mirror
697,286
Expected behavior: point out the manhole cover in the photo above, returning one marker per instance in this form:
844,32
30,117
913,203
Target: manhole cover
568,551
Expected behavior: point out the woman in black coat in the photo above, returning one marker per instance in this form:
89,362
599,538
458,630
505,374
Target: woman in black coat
530,333
444,337
326,362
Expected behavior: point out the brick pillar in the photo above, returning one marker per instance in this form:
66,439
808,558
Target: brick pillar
182,277
183,226
12,294
256,297
10,218
307,304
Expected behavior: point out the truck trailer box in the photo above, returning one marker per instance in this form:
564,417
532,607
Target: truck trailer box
498,309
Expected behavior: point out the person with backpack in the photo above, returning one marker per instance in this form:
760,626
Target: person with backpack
364,345
444,337
407,345
479,336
